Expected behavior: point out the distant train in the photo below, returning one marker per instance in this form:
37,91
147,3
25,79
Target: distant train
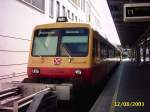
64,52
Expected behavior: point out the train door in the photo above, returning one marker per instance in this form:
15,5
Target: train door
95,51
97,66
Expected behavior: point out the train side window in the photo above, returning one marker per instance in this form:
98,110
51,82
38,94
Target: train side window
95,50
109,51
101,50
104,52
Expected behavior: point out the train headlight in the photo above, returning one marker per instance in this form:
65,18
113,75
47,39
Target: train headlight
78,72
36,71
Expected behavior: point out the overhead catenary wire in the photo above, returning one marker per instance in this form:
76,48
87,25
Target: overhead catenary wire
19,38
13,75
13,64
4,50
17,51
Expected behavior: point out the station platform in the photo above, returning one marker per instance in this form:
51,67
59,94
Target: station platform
128,90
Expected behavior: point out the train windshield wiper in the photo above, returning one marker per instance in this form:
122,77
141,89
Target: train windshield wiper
65,50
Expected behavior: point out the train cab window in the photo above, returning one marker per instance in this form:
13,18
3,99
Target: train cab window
75,41
60,42
45,43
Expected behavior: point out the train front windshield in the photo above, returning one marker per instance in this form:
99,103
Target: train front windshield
61,42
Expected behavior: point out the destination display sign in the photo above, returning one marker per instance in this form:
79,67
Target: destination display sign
137,12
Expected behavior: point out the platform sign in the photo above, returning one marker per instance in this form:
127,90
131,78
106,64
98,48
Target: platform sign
137,12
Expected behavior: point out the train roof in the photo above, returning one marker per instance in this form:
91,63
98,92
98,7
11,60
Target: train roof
62,22
63,25
66,24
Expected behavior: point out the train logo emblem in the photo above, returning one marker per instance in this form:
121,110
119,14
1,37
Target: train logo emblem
57,61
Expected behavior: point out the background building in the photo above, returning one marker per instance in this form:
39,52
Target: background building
19,17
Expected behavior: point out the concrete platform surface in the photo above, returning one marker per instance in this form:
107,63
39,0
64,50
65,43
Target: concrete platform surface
127,91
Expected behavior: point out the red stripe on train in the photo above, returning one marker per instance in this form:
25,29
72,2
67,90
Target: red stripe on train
59,72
